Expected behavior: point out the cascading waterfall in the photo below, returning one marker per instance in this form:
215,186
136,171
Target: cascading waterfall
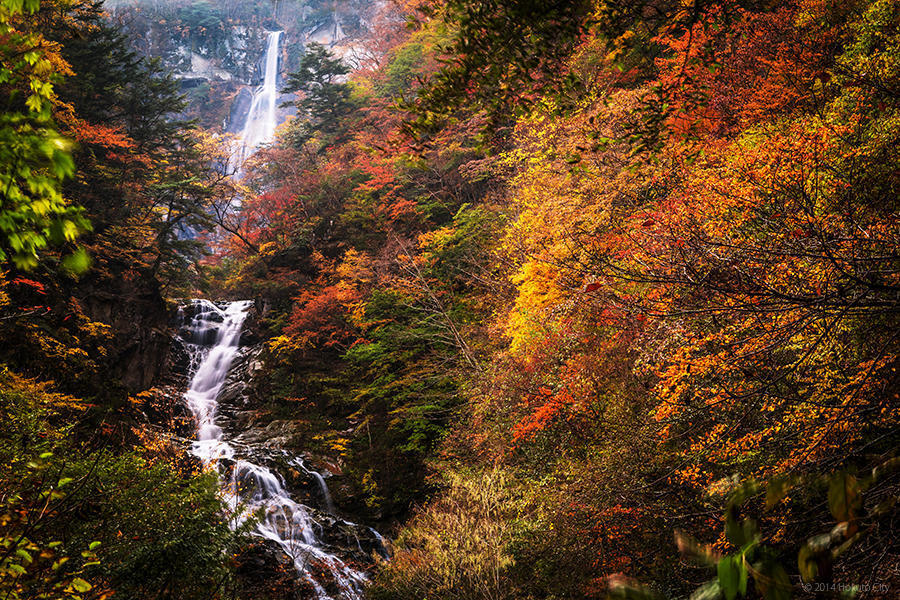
210,370
259,127
215,332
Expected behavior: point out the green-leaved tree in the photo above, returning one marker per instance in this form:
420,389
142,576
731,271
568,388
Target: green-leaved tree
34,158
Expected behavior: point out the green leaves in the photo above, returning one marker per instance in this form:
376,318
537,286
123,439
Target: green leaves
80,585
845,502
746,532
732,576
160,528
34,158
844,498
76,263
504,55
772,580
19,6
753,559
740,533
327,100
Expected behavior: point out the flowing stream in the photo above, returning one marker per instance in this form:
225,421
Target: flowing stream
215,332
261,121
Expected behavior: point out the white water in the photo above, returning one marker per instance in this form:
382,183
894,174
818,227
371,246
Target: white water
209,374
259,128
251,488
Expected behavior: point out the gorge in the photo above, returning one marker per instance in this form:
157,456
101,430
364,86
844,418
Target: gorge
582,300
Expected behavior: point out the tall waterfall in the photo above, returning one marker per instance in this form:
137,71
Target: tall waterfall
259,127
214,334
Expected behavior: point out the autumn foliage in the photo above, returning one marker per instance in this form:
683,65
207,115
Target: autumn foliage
690,280
580,298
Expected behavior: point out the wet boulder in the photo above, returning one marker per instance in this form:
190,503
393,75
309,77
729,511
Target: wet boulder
264,571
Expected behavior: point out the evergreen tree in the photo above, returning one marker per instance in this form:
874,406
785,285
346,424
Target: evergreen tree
326,103
140,174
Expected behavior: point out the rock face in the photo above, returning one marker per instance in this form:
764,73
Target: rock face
240,106
262,566
138,317
216,50
230,53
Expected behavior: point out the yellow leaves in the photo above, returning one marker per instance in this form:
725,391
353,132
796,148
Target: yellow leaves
79,585
96,332
340,446
37,396
357,315
143,398
436,239
356,267
538,294
284,347
564,207
4,297
460,541
268,249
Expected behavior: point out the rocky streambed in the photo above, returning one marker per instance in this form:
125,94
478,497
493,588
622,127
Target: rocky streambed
217,353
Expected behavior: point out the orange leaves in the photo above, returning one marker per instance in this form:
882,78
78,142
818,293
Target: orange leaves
723,77
751,263
320,316
549,408
400,209
112,138
381,176
590,384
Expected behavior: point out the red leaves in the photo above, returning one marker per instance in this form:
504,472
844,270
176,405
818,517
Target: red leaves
320,316
553,407
35,286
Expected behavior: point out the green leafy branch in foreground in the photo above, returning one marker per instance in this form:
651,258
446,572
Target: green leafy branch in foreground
34,158
760,563
30,568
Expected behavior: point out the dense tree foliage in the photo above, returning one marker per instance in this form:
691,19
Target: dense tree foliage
35,157
621,268
327,104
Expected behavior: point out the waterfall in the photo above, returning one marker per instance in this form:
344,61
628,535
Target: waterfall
261,121
211,369
323,487
213,339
